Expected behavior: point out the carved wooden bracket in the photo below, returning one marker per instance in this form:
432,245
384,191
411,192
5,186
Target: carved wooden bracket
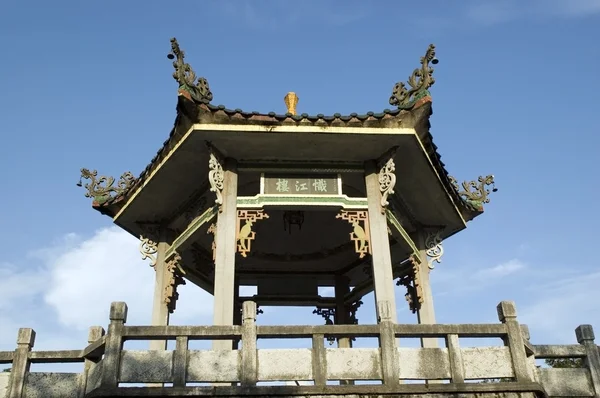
216,176
387,182
245,235
174,278
149,242
213,230
360,235
414,290
434,248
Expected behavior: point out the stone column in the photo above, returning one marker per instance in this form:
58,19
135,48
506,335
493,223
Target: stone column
426,312
160,311
380,246
224,288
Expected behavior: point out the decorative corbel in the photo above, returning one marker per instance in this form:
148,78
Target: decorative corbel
352,308
387,182
212,229
103,188
216,176
174,278
475,193
360,234
245,234
149,242
414,291
434,248
420,81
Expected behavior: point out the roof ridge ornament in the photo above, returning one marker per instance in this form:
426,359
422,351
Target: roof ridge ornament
199,89
475,193
103,188
419,82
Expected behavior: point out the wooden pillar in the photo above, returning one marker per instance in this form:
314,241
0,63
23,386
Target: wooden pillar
160,311
380,246
426,312
224,289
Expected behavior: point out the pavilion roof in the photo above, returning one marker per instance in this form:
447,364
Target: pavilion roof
194,107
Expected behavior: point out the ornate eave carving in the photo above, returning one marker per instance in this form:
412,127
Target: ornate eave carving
103,188
414,291
174,278
245,234
420,81
387,182
149,242
216,178
198,89
360,234
434,248
475,192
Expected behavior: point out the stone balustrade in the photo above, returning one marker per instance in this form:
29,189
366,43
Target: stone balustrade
239,372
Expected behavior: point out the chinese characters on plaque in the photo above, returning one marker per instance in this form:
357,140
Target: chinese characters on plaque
301,185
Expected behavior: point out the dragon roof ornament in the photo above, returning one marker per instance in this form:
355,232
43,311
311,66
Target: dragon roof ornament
419,82
197,88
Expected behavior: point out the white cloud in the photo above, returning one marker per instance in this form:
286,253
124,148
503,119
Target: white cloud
500,270
554,309
74,285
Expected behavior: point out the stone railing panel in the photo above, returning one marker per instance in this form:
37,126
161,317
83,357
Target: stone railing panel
424,363
566,382
353,363
214,366
282,365
146,366
487,362
51,385
4,377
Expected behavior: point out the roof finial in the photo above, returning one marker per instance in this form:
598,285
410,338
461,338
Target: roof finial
419,82
291,100
198,90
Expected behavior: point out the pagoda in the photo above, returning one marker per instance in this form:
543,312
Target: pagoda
290,202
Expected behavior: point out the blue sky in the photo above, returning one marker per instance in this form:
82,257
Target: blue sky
88,84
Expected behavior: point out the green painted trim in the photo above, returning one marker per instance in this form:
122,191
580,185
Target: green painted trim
396,224
343,201
205,217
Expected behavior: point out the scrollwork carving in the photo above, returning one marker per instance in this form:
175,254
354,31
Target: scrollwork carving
216,176
103,188
387,181
360,234
434,248
419,82
475,192
414,290
148,249
245,234
327,314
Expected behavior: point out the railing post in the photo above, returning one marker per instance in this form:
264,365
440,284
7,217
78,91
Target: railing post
21,364
457,367
319,359
95,333
585,337
249,352
507,314
390,366
114,344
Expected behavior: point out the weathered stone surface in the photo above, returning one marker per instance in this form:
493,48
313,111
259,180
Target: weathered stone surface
566,382
146,366
354,364
4,383
51,385
213,366
278,364
424,363
487,362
